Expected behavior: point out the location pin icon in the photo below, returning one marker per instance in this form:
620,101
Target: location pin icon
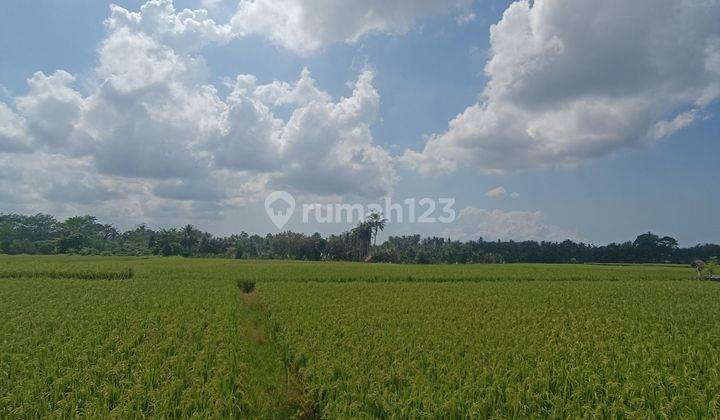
280,206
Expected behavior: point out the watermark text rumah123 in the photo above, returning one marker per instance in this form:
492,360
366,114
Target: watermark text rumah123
280,206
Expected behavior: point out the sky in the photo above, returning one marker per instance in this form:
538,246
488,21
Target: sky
544,120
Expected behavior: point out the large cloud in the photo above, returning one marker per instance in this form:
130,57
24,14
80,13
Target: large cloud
51,108
302,26
151,110
575,79
56,183
13,136
152,131
329,147
307,25
185,30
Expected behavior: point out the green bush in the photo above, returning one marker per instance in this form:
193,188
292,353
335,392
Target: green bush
246,286
711,268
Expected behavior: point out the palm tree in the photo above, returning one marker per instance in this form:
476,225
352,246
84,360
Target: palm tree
362,235
377,223
110,233
189,238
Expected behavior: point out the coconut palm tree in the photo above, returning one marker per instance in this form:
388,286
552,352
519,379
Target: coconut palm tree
362,236
110,233
377,223
189,238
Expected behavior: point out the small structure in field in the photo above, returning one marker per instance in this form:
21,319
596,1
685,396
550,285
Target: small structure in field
698,265
707,271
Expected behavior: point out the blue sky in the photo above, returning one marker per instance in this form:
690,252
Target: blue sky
574,133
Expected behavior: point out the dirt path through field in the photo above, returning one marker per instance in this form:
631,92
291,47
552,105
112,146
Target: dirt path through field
277,393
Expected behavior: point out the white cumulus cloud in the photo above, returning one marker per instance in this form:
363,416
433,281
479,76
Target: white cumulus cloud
151,137
304,26
50,109
13,137
575,79
185,30
301,26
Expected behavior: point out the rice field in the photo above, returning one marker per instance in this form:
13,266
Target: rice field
171,337
558,349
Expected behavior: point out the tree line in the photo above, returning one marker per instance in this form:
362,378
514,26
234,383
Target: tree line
43,234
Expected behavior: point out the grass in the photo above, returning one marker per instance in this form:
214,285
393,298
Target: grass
65,274
276,339
200,270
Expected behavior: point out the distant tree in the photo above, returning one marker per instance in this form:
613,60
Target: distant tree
167,243
189,239
647,240
238,254
377,223
422,257
362,236
652,248
668,242
43,234
80,232
109,234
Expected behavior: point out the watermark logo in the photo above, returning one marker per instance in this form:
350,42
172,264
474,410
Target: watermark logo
280,206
